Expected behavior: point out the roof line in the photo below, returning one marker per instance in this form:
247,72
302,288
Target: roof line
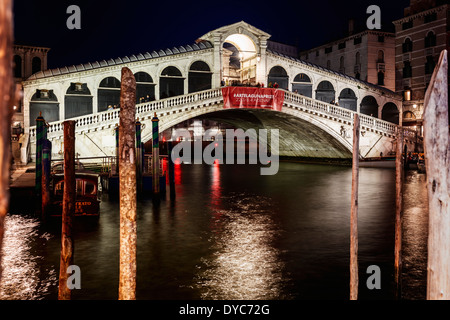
203,45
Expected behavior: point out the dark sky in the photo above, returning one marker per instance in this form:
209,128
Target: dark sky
116,28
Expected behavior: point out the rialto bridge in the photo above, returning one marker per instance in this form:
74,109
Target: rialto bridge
185,82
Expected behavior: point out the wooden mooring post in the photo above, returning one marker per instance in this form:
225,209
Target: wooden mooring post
399,167
68,209
354,212
171,168
46,168
139,151
155,156
437,162
127,182
7,99
40,138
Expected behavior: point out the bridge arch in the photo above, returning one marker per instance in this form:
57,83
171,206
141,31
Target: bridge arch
325,91
390,113
369,106
108,93
199,76
300,134
171,82
347,99
78,100
278,74
145,87
46,103
302,84
409,115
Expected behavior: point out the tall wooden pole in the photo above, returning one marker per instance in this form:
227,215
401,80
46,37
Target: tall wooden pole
46,167
171,169
354,213
437,162
7,98
139,152
40,138
127,181
155,154
398,213
68,209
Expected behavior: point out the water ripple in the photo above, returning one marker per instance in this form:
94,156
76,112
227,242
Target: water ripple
21,277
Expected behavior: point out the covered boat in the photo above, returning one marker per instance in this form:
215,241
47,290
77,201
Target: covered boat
87,202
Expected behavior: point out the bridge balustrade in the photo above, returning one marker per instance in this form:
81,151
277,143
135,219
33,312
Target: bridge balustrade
111,117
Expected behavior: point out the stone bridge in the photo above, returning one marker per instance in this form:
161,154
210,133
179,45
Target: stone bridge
185,82
308,128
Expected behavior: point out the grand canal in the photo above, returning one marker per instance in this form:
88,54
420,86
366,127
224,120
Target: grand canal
231,233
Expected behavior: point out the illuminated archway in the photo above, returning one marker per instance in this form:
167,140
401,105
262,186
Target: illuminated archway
239,59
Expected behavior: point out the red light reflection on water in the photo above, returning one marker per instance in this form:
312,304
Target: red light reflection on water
177,171
216,189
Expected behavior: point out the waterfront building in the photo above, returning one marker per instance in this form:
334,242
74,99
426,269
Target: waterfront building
27,60
420,36
368,55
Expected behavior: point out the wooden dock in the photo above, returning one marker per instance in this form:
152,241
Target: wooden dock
22,191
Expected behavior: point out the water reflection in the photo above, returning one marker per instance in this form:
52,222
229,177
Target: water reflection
415,235
244,264
215,185
231,233
23,277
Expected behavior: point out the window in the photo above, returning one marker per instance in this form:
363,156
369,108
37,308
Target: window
407,69
381,78
328,49
407,45
357,40
380,38
341,64
357,59
341,45
430,17
429,65
17,66
407,25
430,40
407,95
36,65
380,56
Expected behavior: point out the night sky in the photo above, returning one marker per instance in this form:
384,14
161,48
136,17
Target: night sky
114,28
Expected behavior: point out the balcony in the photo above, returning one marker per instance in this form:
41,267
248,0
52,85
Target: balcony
381,66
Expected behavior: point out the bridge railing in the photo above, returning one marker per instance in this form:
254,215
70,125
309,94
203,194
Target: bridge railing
339,112
111,117
143,109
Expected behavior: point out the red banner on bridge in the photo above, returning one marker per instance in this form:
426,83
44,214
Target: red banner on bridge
249,97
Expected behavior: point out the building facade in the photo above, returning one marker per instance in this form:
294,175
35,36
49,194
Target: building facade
27,60
367,55
421,35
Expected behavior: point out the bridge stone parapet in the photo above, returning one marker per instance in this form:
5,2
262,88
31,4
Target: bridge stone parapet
96,137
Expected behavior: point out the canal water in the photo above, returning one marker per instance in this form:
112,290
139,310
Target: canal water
232,233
